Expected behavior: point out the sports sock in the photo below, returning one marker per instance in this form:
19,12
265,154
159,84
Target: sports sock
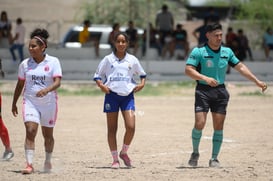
216,143
48,156
124,148
196,136
115,155
29,156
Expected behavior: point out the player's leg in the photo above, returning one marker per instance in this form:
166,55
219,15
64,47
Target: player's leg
31,119
112,127
48,117
129,118
49,145
4,134
31,132
128,113
111,108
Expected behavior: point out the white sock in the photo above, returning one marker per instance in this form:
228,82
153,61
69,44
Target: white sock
48,156
29,156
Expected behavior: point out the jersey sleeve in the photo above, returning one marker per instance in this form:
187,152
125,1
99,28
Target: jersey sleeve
233,61
57,70
138,69
21,71
194,57
100,71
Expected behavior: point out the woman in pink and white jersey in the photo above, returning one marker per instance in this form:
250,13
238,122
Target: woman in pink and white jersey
39,76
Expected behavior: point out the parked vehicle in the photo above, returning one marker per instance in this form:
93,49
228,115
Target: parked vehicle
70,40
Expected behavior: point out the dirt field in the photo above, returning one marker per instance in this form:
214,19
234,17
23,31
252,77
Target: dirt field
162,143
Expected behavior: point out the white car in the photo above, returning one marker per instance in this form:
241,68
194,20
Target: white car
102,32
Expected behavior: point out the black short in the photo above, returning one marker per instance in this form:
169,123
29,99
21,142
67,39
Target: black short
208,98
270,46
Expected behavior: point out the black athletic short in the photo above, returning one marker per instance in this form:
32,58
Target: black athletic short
210,98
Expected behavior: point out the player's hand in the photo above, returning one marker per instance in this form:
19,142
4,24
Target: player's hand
138,87
42,93
104,89
14,110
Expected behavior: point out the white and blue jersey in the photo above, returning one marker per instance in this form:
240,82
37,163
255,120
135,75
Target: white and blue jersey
118,75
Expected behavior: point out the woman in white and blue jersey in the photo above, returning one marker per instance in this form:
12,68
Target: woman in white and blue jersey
115,77
207,64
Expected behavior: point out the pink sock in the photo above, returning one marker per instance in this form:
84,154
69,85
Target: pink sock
115,155
124,148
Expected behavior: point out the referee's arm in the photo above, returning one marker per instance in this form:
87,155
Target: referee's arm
191,71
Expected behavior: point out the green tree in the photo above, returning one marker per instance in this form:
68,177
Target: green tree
111,11
259,12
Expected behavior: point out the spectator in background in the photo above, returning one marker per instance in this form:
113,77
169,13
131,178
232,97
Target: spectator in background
164,23
212,15
168,45
244,45
85,37
5,29
115,29
131,31
231,42
17,42
154,40
268,43
180,40
200,32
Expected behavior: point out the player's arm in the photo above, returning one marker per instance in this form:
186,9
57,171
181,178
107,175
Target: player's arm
102,87
243,69
56,84
140,86
17,92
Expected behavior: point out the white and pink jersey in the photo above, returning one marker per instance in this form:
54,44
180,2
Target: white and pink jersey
39,76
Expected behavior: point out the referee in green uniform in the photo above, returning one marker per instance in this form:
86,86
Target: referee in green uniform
207,64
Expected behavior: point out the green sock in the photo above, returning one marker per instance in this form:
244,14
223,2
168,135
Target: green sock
196,136
216,143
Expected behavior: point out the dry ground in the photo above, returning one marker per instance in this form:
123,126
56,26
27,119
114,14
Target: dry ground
162,144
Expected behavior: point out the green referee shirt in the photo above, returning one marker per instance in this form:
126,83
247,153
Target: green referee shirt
212,63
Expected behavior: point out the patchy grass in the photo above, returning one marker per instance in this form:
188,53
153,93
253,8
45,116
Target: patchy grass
255,93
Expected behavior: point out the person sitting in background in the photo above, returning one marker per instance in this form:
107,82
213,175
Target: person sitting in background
180,40
131,31
154,40
268,43
85,37
17,42
168,45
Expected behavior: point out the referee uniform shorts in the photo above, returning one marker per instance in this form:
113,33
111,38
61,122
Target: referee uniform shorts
210,98
113,102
